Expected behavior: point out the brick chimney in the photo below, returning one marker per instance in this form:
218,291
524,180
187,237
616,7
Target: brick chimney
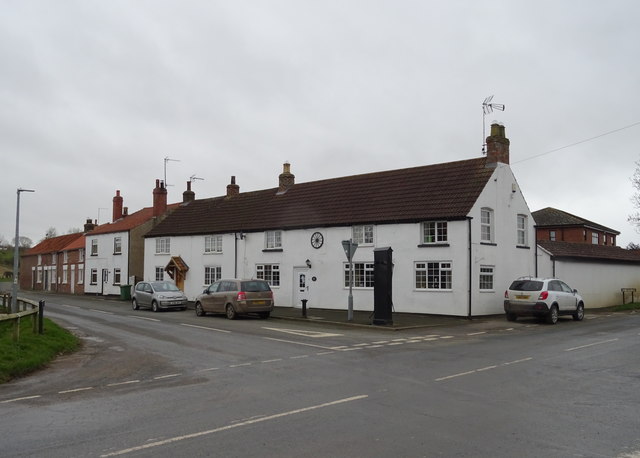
89,225
117,207
497,146
188,195
159,199
233,189
287,179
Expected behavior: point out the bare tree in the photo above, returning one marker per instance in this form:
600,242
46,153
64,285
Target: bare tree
51,233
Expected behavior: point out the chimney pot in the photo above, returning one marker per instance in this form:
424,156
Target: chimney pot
286,178
159,199
233,189
188,195
117,207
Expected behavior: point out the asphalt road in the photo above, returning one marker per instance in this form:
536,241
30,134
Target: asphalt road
172,384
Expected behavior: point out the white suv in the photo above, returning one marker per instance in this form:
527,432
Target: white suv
542,297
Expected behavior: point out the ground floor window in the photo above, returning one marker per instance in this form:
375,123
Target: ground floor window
269,272
116,276
94,277
39,274
159,273
433,275
212,274
64,274
80,275
486,278
362,274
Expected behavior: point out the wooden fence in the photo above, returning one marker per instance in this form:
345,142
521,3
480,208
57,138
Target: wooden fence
26,308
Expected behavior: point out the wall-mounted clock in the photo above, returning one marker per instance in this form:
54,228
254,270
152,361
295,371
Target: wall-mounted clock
317,239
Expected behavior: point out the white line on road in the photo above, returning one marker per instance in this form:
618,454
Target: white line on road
160,377
301,332
143,318
299,343
204,327
240,365
271,360
102,311
591,345
299,357
232,426
128,382
209,369
75,390
20,399
481,369
517,361
476,333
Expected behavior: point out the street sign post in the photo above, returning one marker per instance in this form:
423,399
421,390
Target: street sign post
350,248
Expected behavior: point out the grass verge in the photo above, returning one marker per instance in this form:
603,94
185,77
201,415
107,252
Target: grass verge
629,306
33,351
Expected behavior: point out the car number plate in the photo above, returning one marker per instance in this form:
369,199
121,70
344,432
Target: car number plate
522,296
258,302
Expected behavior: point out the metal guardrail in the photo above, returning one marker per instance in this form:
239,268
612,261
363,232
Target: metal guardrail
26,308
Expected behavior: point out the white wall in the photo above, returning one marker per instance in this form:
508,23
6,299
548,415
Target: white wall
599,284
106,259
328,290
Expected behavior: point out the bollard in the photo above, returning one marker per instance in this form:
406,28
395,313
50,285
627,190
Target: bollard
41,318
304,308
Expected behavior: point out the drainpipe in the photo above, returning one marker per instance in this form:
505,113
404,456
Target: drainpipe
235,255
470,266
535,253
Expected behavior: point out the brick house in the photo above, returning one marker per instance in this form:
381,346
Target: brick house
559,226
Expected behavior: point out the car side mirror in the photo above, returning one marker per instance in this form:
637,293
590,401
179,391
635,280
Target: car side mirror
206,291
575,291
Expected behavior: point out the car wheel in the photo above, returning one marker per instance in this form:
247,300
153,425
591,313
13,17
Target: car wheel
264,315
231,312
154,306
199,310
512,317
579,314
552,316
134,305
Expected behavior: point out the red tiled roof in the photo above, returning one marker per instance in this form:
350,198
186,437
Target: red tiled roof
552,217
567,250
128,222
54,244
440,191
76,244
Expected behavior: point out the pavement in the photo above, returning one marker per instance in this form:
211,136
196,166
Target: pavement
399,321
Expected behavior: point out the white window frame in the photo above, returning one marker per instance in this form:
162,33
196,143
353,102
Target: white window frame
269,272
93,279
81,255
65,257
486,225
363,234
39,259
552,236
39,275
486,278
212,274
117,276
595,238
433,275
64,275
94,247
362,275
434,232
213,244
273,240
117,245
159,273
163,246
80,275
522,232
54,259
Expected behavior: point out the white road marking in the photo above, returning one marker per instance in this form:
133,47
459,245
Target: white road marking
301,332
481,370
232,426
143,318
75,390
517,361
298,357
447,337
271,360
102,311
20,399
476,333
128,382
591,345
374,346
454,376
325,353
299,343
380,342
395,343
160,377
205,327
209,369
240,365
486,368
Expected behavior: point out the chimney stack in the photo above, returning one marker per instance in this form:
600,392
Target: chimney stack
497,146
233,189
159,199
117,207
287,179
188,195
89,225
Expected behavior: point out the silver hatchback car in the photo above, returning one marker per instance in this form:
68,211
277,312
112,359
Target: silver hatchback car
236,297
158,295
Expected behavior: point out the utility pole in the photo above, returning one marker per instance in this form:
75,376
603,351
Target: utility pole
16,254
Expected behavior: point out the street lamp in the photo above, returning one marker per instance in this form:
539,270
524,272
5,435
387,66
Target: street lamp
16,254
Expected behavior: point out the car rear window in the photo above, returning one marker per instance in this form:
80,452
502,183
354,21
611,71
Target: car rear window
255,286
526,285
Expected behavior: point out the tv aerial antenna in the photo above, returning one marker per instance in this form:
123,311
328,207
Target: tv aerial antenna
167,159
193,177
487,108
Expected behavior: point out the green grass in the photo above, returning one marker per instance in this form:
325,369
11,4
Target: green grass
33,351
629,306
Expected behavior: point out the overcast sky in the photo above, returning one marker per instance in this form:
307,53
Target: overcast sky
95,94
